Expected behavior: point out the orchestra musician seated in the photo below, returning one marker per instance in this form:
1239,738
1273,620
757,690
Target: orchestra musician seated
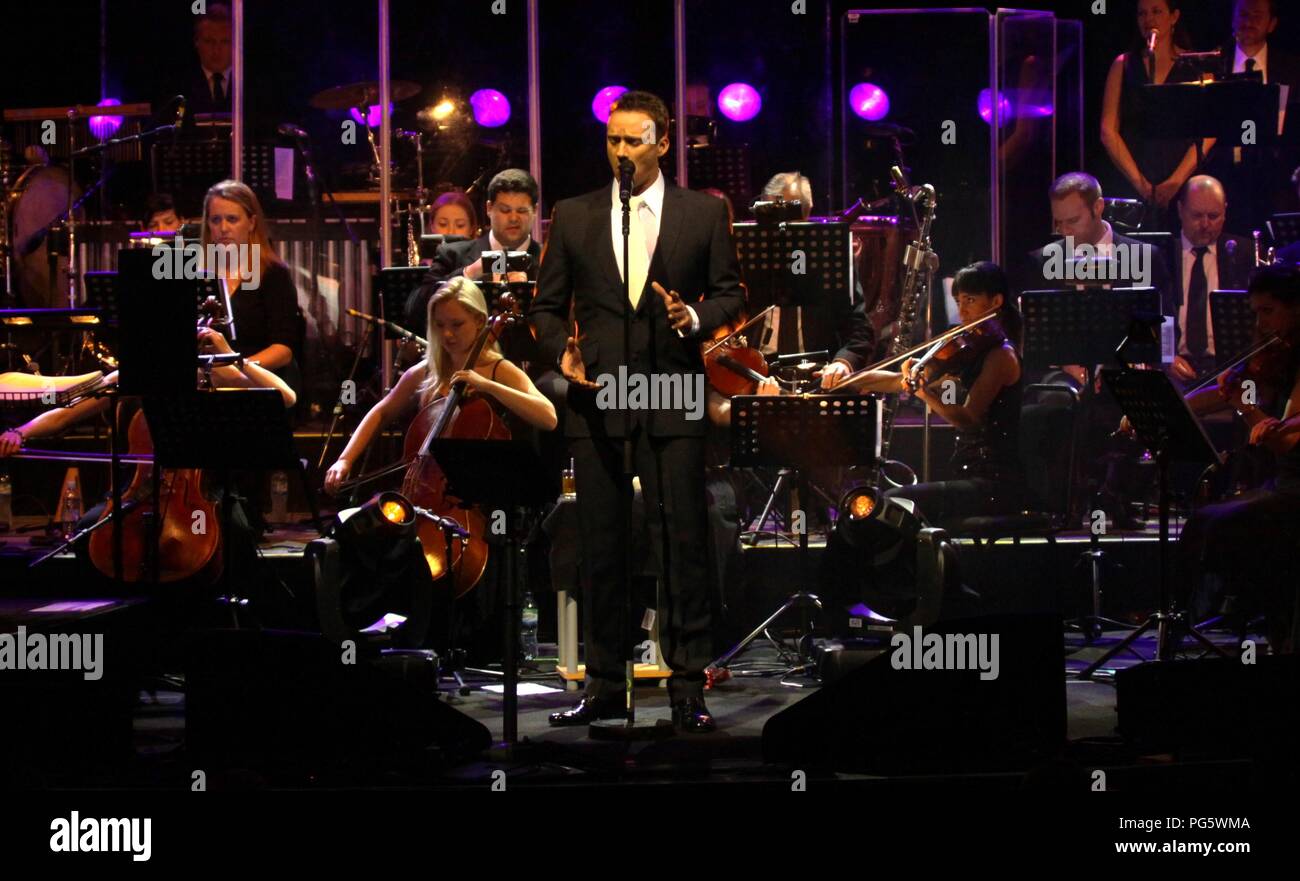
457,314
985,413
1250,539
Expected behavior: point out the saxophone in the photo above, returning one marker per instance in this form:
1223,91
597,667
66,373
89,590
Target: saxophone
919,264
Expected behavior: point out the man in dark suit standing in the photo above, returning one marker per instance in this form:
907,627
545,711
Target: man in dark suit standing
1209,260
511,206
1257,175
683,283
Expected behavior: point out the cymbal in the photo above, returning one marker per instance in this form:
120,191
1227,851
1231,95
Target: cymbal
360,95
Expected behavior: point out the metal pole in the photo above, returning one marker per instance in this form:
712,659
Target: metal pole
385,177
237,96
535,114
679,97
995,183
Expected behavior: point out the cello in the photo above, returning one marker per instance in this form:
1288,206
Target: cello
454,415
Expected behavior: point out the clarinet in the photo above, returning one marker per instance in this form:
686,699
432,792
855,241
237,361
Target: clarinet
919,262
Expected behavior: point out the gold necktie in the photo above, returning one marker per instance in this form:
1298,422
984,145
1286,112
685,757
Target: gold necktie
638,258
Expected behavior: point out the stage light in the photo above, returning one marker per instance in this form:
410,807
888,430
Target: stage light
491,108
604,98
370,568
869,101
739,102
373,115
986,107
882,561
104,127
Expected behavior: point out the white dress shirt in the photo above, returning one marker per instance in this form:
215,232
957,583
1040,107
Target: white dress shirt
650,213
1211,285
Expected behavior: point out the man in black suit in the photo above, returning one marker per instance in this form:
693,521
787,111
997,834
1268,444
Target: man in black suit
1209,260
1257,175
838,325
683,283
210,88
511,206
1077,207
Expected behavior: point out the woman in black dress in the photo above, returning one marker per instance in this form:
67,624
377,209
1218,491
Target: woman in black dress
1155,166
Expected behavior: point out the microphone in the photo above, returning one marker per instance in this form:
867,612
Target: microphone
289,130
1152,35
625,172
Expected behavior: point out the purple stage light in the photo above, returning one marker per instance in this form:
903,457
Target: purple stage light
491,108
986,106
869,101
740,102
104,127
604,98
372,116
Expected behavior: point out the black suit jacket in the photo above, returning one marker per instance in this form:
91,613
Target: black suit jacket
694,256
840,326
1033,276
198,94
450,261
1234,271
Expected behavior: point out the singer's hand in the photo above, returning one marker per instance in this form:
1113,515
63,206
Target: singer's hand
572,367
679,317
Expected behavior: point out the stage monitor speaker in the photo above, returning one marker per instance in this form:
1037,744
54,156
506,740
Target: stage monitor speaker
69,676
883,720
292,701
1217,706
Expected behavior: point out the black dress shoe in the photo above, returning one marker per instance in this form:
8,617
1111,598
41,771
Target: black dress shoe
586,711
692,716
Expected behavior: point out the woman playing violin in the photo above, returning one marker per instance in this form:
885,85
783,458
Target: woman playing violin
457,314
987,419
1250,539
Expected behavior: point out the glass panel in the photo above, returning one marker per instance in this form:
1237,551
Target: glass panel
784,59
585,49
1024,121
902,93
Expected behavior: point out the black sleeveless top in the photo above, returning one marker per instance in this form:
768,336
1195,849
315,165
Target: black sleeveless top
991,449
1157,157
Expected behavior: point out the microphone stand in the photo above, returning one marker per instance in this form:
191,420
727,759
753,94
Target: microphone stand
629,465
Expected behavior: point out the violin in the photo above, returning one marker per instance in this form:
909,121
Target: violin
957,353
731,364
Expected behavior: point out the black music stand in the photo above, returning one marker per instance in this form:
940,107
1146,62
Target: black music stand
1233,321
394,287
722,168
1210,110
188,168
1083,327
1284,229
501,477
800,432
1163,422
225,431
765,260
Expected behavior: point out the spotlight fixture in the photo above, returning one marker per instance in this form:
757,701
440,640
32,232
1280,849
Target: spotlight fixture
491,108
370,568
739,102
604,98
869,101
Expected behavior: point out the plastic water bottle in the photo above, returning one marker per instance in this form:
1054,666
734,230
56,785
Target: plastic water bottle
71,510
528,628
6,502
279,497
